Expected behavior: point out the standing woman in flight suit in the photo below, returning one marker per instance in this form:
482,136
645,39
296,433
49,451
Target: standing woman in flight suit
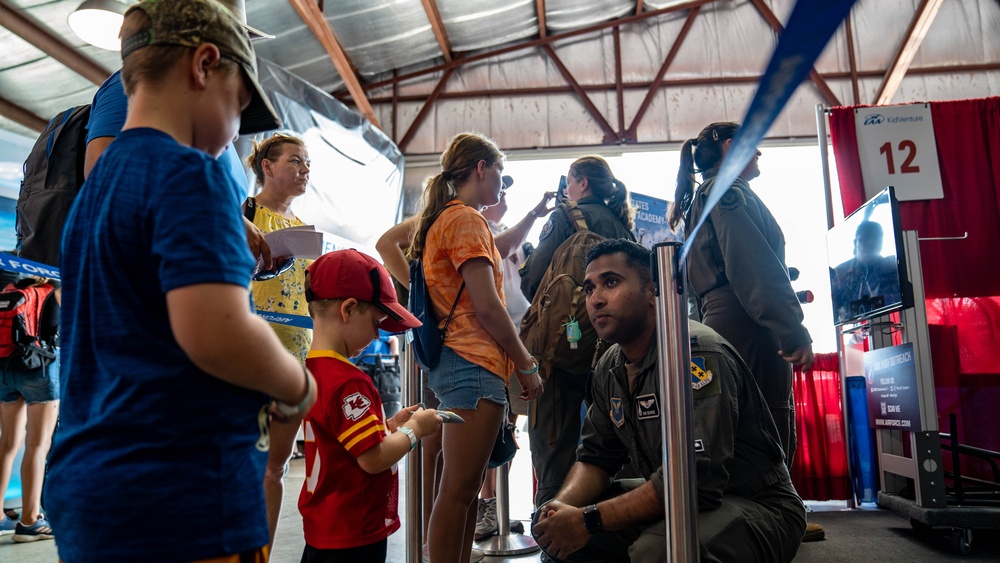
737,272
554,428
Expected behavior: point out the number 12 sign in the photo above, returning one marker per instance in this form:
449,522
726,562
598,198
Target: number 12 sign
896,148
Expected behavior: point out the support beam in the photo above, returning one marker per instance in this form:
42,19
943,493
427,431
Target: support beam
673,83
316,22
547,40
772,20
422,114
630,134
430,6
609,134
540,10
19,115
619,90
915,34
395,105
852,60
638,7
19,23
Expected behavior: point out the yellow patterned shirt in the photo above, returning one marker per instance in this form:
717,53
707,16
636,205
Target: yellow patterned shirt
285,293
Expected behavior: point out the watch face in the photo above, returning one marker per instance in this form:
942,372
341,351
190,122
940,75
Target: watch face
592,519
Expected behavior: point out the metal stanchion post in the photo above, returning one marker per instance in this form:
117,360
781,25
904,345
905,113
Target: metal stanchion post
410,379
506,543
679,478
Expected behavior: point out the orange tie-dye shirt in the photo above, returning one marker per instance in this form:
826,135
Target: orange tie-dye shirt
460,234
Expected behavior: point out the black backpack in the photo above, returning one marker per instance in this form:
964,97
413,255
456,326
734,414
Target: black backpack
384,371
53,174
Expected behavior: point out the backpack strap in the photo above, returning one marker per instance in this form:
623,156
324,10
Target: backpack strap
460,289
574,215
453,306
250,208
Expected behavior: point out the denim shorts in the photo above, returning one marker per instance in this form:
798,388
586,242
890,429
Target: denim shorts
36,386
460,384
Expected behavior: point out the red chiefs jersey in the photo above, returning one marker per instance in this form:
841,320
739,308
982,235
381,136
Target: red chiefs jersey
343,506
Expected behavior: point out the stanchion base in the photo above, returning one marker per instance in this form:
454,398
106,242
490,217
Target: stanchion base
512,545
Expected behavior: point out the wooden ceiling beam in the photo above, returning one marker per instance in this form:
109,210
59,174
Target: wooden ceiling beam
772,20
609,134
547,40
316,22
619,89
673,83
540,10
919,25
24,26
422,114
20,115
440,33
630,133
852,61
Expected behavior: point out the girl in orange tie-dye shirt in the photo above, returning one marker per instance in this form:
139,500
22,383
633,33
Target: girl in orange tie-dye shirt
481,348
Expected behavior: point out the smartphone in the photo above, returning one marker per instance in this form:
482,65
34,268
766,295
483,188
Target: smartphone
561,190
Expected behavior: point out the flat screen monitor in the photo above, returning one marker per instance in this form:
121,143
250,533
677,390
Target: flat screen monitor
867,263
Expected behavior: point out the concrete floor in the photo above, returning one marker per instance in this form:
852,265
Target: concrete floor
289,542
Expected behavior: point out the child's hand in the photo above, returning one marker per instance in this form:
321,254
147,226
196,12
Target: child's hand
401,417
425,422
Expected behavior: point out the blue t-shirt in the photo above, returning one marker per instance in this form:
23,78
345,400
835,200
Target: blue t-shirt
107,117
145,434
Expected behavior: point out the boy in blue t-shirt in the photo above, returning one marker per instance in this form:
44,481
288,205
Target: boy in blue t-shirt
166,370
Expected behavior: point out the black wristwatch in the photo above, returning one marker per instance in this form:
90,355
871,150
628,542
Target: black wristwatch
592,519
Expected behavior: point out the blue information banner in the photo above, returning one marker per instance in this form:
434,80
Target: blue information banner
20,265
650,220
891,381
809,28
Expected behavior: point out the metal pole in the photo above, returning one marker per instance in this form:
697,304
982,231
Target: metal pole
824,158
505,543
674,348
410,379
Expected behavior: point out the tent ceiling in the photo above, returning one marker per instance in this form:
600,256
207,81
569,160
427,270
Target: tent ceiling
547,73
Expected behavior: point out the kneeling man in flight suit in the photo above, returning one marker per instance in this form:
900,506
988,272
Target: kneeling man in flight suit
748,509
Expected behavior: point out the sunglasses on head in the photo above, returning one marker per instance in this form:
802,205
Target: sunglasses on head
271,274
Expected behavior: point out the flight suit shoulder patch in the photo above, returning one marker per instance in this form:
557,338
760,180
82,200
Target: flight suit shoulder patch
705,377
546,231
732,199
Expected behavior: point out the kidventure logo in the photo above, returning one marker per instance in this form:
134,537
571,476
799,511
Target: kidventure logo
874,119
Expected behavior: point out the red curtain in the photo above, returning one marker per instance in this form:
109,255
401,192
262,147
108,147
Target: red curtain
961,277
968,144
819,470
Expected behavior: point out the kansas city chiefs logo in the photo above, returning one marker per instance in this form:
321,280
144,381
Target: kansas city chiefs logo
355,406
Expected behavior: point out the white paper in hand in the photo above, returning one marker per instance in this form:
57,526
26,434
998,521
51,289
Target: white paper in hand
294,242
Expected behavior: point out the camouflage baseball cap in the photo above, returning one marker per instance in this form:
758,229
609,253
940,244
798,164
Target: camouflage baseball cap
192,23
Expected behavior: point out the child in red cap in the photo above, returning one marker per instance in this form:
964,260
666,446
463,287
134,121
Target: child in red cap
349,498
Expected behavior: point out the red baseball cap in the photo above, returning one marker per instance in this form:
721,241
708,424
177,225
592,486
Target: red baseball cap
343,274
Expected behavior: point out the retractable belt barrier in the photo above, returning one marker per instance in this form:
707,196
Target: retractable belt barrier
809,28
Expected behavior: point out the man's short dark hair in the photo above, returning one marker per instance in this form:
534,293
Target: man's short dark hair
637,256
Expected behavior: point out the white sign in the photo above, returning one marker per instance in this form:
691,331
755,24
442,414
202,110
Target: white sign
896,147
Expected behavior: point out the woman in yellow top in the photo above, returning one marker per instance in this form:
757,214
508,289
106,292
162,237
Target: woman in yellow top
481,349
281,164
